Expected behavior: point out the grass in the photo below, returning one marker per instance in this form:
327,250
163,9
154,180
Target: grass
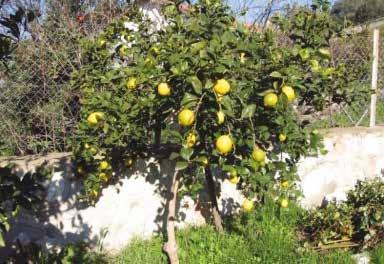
377,256
356,111
265,236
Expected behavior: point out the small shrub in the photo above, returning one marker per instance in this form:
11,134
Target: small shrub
356,222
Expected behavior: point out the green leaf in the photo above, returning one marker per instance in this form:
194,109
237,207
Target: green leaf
263,93
2,243
196,84
181,165
186,153
248,111
174,156
276,74
189,100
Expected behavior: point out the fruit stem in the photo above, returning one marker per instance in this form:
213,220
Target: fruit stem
170,247
197,109
212,195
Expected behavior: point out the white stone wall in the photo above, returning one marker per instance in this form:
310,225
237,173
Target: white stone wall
134,207
353,154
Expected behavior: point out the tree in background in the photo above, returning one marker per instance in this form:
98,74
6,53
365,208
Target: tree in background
14,19
358,11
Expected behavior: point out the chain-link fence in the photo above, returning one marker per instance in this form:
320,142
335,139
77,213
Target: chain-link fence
38,107
356,53
353,52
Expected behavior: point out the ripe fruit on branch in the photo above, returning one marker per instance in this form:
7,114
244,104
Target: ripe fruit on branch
289,92
282,137
95,117
220,117
285,184
270,100
258,154
164,89
132,83
191,140
128,162
224,144
222,87
233,176
104,176
104,165
186,117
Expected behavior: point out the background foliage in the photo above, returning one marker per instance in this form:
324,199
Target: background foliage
358,11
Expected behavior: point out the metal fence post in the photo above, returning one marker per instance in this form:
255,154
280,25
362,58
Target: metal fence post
375,66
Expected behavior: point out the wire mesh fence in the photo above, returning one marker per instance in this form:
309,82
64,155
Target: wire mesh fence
39,108
355,53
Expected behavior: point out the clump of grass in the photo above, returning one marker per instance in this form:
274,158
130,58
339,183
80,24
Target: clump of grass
377,256
142,251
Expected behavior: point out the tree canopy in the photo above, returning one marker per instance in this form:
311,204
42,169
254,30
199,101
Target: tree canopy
358,11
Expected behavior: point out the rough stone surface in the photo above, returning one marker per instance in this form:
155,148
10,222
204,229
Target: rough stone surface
362,258
134,207
353,154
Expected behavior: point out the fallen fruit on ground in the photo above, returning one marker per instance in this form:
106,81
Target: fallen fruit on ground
284,203
224,144
222,87
247,205
186,117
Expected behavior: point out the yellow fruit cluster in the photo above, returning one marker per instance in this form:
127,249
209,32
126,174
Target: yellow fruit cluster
271,99
95,117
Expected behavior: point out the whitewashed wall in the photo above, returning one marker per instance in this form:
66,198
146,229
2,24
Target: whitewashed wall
135,206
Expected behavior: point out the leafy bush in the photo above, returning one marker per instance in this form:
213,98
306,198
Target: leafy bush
356,222
311,32
16,193
124,116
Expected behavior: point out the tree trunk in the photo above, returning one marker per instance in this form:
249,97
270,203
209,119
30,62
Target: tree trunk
212,196
170,247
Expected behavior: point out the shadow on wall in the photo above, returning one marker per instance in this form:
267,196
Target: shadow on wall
132,206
